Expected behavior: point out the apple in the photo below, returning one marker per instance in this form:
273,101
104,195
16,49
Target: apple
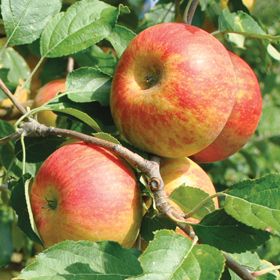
45,94
173,90
85,192
244,118
176,172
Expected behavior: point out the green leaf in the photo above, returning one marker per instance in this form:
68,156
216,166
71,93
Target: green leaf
5,129
242,23
6,243
180,197
88,84
120,37
151,223
107,137
38,149
18,68
97,58
84,24
225,233
24,20
4,77
256,203
172,256
20,203
60,107
83,260
162,12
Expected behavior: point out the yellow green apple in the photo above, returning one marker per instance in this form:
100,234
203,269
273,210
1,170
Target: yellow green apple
45,94
84,192
176,172
173,90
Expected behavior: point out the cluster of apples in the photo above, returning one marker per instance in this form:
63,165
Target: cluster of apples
176,92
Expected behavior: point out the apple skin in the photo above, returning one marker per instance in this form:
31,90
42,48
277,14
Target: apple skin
176,172
244,118
84,192
45,94
173,90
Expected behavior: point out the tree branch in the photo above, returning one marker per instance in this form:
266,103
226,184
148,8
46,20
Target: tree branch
11,137
11,97
150,167
240,270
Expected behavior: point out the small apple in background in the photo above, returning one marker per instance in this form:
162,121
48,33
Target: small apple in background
84,192
45,94
176,172
244,118
173,90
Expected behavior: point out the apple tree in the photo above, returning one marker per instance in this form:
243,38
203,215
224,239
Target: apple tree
139,139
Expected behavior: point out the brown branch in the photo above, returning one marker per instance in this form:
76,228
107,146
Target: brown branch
240,270
150,167
11,97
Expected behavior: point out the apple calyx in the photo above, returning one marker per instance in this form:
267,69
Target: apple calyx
51,204
148,75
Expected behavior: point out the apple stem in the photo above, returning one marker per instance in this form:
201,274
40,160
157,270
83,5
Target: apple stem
32,128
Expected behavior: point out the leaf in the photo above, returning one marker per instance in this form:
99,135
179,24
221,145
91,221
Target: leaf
107,137
120,37
24,20
88,84
20,203
83,260
172,256
220,230
242,23
94,56
150,224
256,203
18,68
5,129
163,12
38,149
6,243
273,52
4,77
60,107
180,197
84,24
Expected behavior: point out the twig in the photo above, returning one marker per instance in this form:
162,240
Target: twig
70,64
240,270
150,167
14,136
265,270
11,97
190,11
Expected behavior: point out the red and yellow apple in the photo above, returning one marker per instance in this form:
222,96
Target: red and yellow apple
176,172
244,118
84,192
45,94
173,90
